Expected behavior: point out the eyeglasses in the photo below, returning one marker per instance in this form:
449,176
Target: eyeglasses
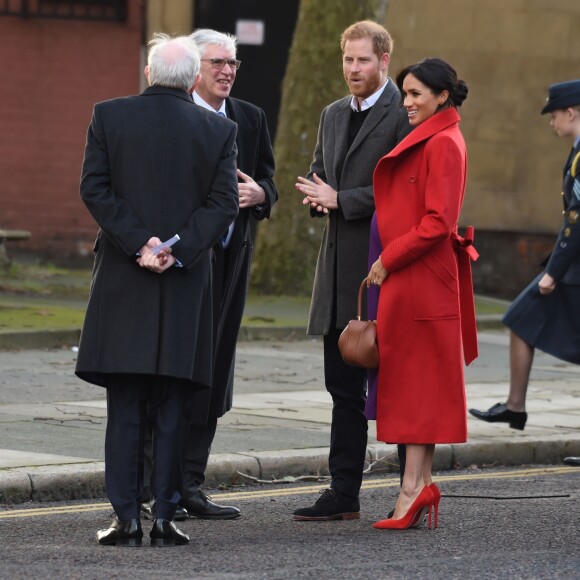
219,63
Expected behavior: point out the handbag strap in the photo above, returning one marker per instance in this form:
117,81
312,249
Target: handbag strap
363,285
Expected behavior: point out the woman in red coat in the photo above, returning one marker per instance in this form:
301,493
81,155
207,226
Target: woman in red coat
425,320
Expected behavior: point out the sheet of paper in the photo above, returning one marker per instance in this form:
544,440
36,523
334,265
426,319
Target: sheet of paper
166,244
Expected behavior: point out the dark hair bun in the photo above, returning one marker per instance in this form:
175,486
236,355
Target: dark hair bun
459,93
439,76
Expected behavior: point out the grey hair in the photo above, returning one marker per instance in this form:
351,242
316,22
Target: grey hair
173,61
204,36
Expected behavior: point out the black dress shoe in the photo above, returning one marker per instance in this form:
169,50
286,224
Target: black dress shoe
499,413
166,533
179,516
200,506
572,460
119,533
329,506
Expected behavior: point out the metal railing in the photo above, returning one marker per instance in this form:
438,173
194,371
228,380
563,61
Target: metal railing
108,10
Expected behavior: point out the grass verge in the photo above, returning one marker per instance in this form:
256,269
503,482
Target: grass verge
34,296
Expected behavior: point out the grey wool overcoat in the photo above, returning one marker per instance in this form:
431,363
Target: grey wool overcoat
155,164
343,255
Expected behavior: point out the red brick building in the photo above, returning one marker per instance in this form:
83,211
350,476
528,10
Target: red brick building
58,57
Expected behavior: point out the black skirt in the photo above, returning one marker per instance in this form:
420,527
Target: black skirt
551,322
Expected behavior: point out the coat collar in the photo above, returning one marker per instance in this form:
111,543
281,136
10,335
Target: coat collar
378,111
438,122
376,114
154,91
236,112
573,162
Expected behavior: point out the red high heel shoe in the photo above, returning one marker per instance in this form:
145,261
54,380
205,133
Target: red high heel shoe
415,513
436,499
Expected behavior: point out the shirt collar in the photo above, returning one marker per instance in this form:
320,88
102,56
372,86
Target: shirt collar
199,101
369,101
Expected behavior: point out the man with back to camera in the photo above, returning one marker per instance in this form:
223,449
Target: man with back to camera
232,259
354,133
147,334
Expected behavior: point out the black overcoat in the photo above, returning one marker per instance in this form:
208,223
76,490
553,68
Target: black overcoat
256,159
155,165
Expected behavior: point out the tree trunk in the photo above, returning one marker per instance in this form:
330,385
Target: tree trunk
287,244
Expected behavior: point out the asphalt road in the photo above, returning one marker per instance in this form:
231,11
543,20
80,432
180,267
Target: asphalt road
516,523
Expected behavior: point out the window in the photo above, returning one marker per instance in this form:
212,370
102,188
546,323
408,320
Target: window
109,10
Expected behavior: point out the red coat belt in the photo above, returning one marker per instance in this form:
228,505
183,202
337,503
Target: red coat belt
465,253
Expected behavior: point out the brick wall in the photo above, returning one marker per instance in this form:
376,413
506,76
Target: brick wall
52,72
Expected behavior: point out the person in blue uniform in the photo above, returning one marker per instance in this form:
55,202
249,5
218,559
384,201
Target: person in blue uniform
546,315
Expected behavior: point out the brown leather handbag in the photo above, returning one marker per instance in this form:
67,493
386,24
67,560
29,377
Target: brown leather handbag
358,341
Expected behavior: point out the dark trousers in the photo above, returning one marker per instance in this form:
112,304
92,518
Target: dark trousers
199,437
198,443
135,403
199,440
348,433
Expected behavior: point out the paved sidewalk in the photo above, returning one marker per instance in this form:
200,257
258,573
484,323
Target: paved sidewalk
52,424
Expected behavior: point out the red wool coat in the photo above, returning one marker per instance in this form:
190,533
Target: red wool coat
425,315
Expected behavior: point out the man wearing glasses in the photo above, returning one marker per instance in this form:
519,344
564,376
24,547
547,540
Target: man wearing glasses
233,254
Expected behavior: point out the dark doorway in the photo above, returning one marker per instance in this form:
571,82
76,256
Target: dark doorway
259,80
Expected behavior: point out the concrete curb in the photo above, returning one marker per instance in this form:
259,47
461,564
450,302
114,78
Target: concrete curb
60,338
34,339
87,480
52,483
289,333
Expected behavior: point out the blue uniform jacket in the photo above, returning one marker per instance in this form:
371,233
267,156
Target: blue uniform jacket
564,261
